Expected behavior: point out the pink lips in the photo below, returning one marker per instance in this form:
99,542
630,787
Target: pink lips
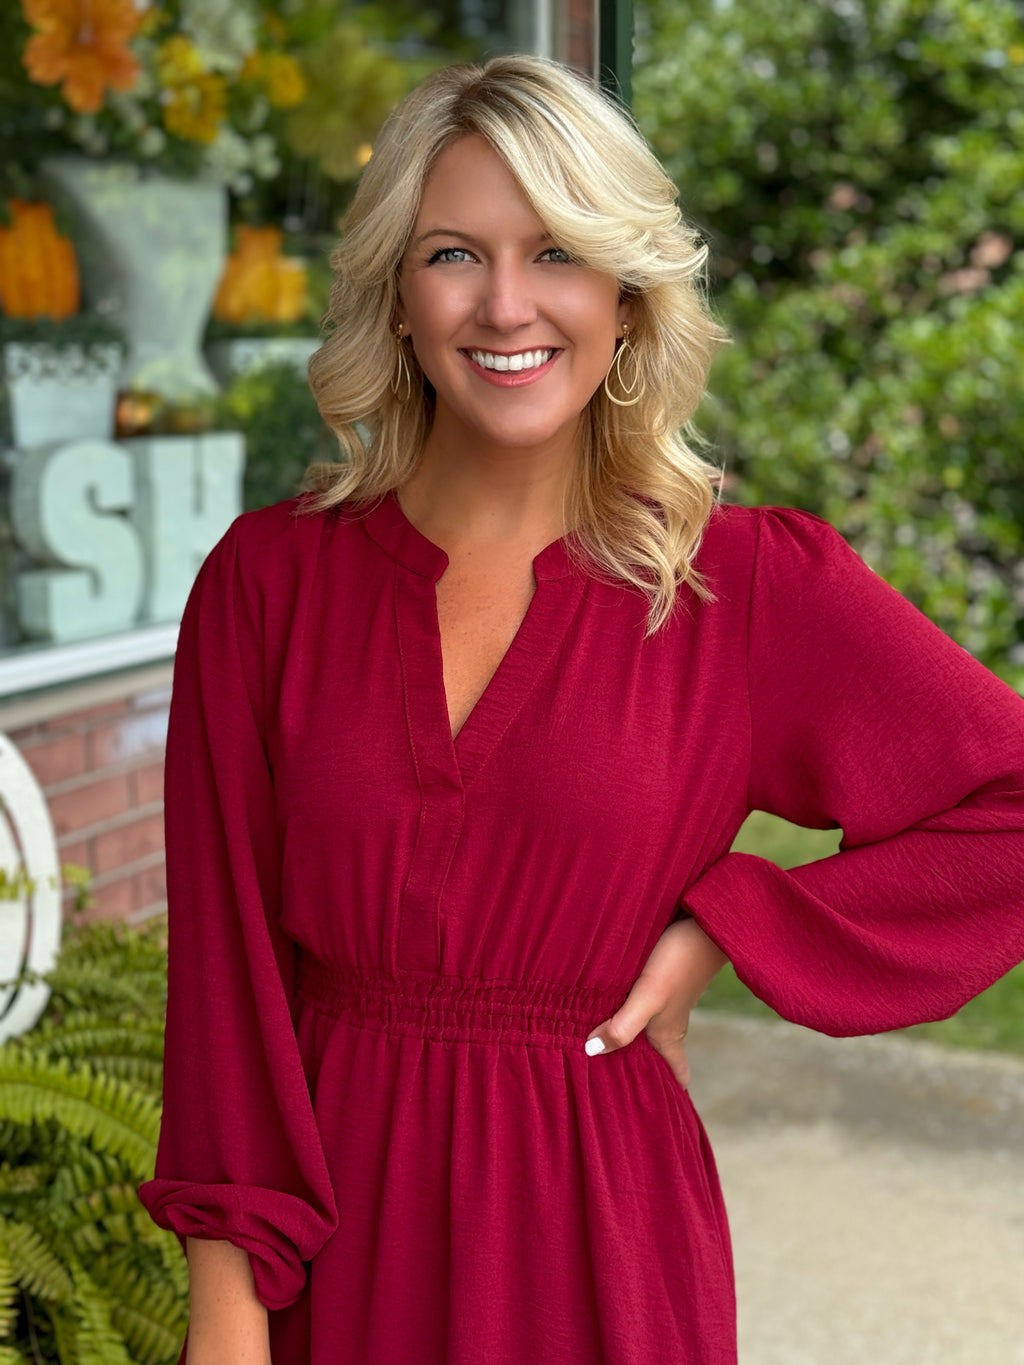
510,379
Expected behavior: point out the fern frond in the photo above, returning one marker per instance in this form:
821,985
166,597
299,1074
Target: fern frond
97,1340
89,1033
111,969
8,1288
36,1265
151,1314
16,1181
164,1260
129,1047
87,1172
112,1115
107,1218
95,986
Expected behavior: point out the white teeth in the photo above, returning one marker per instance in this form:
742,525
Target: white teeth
524,360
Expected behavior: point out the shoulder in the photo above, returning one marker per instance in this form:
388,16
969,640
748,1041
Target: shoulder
271,549
278,532
743,544
265,567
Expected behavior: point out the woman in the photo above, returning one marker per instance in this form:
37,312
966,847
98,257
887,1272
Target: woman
458,751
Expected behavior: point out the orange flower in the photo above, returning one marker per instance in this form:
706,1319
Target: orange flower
82,46
259,284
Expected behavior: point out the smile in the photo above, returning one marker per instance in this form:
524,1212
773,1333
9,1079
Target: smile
522,360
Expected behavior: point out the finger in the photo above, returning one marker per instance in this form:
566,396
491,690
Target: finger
635,1013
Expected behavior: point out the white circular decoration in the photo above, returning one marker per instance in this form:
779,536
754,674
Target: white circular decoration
30,909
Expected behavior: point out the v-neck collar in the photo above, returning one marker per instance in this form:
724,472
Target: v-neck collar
440,759
386,524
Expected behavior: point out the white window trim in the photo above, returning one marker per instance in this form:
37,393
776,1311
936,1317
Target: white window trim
28,670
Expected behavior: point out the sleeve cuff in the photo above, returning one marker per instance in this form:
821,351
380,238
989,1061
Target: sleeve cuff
279,1232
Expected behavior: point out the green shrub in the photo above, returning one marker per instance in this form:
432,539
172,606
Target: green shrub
284,432
857,167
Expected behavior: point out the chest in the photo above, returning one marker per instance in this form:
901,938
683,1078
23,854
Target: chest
480,609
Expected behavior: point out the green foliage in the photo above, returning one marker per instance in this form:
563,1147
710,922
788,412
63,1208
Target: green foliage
350,90
89,331
857,168
85,1276
284,432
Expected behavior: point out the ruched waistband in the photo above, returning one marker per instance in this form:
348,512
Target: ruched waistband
455,1009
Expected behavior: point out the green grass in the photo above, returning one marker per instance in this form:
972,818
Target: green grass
994,1020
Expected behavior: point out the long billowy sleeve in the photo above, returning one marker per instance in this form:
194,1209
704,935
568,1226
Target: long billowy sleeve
866,717
239,1157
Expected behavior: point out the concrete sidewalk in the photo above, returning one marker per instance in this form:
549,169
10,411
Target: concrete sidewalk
875,1190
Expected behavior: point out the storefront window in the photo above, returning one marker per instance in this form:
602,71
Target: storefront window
119,473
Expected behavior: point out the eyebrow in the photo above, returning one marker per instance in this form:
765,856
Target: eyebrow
462,236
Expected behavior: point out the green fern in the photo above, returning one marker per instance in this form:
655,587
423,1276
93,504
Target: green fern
93,986
150,1309
39,1267
98,1342
85,1277
8,1289
128,1048
113,1116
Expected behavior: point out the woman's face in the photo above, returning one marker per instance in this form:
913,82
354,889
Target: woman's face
514,336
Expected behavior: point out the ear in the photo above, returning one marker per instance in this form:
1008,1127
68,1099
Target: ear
398,317
626,314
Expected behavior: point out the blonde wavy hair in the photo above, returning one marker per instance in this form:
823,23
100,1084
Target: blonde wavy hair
641,496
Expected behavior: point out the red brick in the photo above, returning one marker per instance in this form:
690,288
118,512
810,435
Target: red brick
26,736
76,851
150,887
148,784
90,804
113,901
126,844
142,734
57,759
82,720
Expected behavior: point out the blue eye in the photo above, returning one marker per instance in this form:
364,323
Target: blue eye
557,255
450,255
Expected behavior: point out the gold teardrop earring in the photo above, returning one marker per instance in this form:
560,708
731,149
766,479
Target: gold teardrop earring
401,375
625,347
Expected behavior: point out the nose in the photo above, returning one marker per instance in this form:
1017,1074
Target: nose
508,299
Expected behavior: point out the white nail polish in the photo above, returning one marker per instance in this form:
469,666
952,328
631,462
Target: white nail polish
594,1047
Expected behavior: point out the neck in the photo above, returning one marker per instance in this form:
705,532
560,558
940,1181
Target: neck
489,493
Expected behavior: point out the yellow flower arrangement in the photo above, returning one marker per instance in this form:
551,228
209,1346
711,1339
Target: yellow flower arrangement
194,110
188,86
177,61
279,76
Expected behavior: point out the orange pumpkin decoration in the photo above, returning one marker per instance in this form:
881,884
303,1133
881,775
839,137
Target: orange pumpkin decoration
38,268
259,284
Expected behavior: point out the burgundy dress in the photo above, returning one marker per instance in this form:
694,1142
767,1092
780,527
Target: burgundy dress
387,948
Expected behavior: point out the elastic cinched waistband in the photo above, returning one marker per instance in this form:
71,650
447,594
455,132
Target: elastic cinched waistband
451,1009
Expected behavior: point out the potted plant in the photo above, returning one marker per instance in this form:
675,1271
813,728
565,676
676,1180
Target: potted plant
59,365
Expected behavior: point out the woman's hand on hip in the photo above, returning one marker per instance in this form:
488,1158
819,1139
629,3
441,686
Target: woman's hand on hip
680,966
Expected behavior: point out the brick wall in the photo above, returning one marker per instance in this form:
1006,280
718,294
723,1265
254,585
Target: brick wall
101,770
